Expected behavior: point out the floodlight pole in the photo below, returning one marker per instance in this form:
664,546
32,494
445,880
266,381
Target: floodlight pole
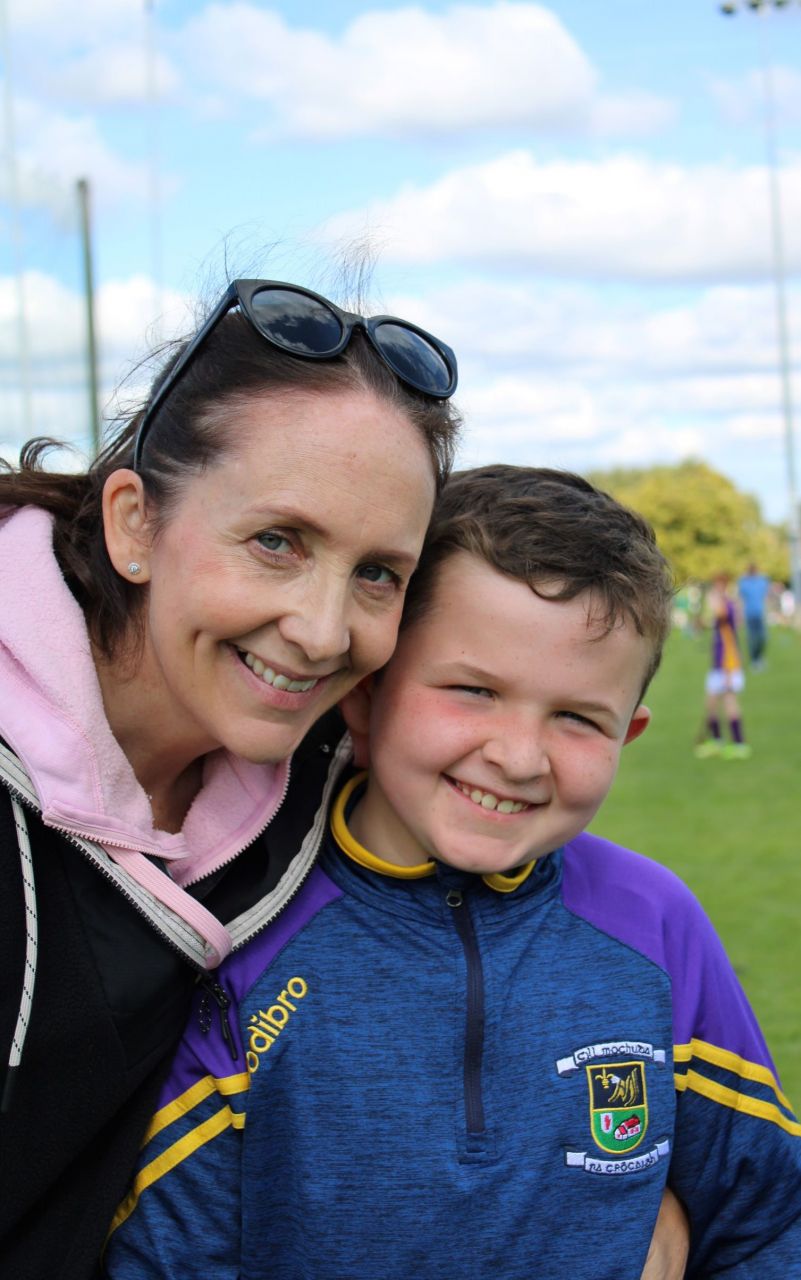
89,294
780,293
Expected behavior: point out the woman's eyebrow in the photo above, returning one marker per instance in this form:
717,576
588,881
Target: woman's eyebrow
278,513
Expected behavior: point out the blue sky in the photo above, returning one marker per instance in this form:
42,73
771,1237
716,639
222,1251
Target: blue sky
574,195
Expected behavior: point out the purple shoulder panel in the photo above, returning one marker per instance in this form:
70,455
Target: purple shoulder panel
645,906
202,1054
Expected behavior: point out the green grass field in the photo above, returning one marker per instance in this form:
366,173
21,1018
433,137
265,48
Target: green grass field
730,829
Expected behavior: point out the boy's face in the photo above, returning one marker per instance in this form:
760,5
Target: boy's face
496,729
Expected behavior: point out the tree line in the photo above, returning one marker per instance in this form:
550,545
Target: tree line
704,524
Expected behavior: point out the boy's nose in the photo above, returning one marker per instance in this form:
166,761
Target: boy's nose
519,753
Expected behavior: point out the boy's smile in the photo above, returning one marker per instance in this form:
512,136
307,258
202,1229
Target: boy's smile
496,728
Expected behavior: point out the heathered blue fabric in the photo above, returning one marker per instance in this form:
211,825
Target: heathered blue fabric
354,1162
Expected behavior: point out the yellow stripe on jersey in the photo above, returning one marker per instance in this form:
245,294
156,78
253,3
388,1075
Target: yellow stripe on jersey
191,1142
729,1061
183,1104
737,1101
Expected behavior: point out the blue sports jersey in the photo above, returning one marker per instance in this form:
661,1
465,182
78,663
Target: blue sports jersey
434,1075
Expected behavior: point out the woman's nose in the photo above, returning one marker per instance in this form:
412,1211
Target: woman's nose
316,621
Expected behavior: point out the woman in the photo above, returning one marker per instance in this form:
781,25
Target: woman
172,623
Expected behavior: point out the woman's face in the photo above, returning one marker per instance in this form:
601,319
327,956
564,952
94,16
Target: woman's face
277,582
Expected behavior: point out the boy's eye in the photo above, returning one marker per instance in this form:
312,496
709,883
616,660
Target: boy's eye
476,690
274,541
378,574
578,719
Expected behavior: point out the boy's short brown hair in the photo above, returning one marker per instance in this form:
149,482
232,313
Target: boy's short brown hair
558,533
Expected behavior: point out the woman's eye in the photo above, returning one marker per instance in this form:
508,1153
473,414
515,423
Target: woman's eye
275,542
378,574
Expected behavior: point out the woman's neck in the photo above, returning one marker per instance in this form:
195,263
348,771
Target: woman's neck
168,764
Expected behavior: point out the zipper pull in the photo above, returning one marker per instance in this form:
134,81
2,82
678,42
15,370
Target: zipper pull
454,898
214,991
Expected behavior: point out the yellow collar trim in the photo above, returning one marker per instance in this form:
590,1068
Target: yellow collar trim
353,849
350,845
502,883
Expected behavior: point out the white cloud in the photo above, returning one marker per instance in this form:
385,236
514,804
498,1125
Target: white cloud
410,72
104,55
114,75
55,323
622,217
571,376
53,150
632,115
51,24
744,100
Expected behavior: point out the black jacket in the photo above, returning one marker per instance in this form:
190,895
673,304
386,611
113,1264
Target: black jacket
109,1003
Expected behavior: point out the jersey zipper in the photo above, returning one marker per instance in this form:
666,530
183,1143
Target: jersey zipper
213,990
474,1022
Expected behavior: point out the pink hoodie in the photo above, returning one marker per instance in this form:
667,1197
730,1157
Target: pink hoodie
52,716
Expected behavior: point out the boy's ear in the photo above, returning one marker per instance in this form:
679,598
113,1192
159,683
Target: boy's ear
355,708
638,724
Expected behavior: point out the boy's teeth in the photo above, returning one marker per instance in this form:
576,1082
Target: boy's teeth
488,801
277,681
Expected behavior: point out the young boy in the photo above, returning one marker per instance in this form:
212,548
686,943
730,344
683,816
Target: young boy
480,1043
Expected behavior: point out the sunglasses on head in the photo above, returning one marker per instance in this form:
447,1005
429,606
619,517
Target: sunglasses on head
305,324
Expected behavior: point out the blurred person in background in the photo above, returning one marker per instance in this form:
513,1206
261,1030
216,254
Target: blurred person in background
753,589
725,680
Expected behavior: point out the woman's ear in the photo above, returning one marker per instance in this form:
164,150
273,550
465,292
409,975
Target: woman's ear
125,524
355,708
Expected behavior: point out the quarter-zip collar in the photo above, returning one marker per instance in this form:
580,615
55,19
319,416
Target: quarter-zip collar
519,884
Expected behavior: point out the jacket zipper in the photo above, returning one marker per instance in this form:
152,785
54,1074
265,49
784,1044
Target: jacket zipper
213,990
474,1024
314,837
261,832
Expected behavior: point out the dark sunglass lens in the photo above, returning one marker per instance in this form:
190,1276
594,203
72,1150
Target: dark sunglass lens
413,358
296,322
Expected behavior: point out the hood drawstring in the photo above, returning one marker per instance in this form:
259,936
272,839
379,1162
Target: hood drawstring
31,950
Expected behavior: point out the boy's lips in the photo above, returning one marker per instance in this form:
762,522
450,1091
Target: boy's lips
489,800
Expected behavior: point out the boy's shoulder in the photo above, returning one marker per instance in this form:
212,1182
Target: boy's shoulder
631,898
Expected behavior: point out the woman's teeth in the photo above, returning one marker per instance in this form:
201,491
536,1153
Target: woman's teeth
277,681
488,801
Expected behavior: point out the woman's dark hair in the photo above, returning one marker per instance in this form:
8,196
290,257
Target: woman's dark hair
190,431
559,534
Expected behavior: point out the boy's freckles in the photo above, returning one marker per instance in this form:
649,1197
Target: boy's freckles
496,729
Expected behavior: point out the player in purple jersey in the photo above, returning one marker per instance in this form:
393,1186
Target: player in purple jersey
724,680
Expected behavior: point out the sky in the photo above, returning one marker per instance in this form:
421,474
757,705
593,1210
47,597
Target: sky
576,196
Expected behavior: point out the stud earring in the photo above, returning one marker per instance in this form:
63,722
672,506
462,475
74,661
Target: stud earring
134,568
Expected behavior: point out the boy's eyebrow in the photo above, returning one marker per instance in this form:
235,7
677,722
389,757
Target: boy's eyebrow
453,668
